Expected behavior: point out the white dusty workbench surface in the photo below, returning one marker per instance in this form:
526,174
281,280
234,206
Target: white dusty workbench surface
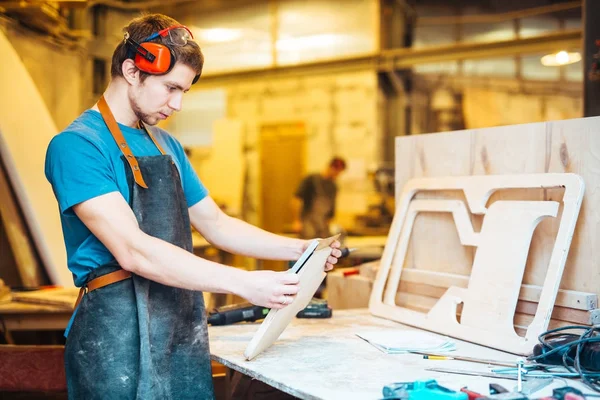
324,359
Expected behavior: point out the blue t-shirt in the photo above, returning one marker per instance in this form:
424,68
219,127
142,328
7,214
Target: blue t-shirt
84,162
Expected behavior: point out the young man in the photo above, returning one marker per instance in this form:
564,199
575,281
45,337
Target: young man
127,195
313,205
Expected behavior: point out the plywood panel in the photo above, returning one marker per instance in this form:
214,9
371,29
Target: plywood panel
26,128
558,146
574,146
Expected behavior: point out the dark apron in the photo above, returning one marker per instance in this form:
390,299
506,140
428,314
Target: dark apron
138,339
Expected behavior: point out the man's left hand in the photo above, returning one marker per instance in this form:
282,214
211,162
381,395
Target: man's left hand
336,253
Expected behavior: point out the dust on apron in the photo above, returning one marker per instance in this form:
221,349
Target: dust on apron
139,339
315,224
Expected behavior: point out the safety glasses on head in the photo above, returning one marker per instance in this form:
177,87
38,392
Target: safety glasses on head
177,35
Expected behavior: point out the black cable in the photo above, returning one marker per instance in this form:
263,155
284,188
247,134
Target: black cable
589,335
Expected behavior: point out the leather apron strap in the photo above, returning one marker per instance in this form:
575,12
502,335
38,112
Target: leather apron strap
114,129
101,281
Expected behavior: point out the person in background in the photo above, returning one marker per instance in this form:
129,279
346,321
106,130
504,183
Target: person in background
313,205
128,196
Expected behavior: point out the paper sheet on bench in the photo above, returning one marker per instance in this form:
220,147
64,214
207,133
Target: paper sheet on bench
405,341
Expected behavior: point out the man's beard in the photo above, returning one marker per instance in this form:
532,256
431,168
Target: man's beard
147,119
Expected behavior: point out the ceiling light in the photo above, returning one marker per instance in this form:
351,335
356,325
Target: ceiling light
561,58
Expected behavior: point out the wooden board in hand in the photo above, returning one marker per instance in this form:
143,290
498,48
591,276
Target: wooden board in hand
310,268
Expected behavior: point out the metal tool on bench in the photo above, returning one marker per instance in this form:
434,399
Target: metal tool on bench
421,390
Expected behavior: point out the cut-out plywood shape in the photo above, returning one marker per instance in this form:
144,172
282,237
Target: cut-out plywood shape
490,300
311,272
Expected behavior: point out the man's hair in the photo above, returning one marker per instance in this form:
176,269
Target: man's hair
142,27
338,163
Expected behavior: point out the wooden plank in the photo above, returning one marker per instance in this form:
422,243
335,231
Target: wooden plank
590,317
575,316
23,144
524,320
59,297
18,237
423,303
565,298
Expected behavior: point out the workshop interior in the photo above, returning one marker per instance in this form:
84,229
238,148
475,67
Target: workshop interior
452,148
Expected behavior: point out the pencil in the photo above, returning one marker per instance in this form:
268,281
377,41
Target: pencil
437,357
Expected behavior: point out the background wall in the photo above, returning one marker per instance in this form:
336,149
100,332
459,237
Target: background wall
340,116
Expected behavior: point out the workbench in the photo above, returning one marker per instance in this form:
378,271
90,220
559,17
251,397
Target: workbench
324,359
16,316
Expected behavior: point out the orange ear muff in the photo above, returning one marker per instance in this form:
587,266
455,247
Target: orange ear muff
163,59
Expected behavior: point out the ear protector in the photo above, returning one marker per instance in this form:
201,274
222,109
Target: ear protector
153,58
157,58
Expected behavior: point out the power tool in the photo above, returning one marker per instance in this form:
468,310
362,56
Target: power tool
317,308
244,312
247,312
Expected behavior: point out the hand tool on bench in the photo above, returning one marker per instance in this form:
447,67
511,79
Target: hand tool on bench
421,390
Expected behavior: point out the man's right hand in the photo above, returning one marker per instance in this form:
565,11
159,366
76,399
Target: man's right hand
270,289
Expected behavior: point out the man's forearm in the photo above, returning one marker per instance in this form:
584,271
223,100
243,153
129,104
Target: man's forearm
254,242
165,263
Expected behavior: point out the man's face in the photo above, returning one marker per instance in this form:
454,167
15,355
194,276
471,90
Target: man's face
159,96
